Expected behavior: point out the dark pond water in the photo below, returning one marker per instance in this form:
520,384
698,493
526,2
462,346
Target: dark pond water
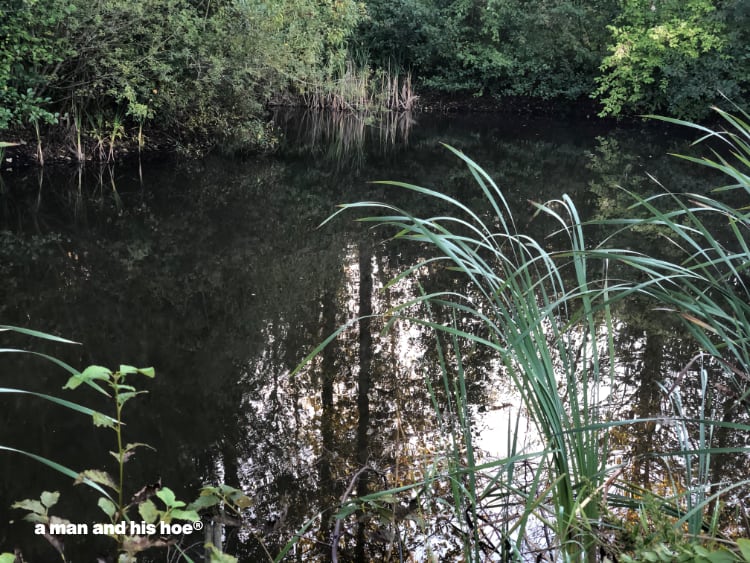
215,272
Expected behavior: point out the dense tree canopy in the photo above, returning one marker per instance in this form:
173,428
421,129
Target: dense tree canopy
207,68
631,55
195,65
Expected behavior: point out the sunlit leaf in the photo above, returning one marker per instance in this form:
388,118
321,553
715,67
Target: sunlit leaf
32,505
123,398
167,496
243,501
35,518
204,501
148,372
101,420
96,372
148,511
50,499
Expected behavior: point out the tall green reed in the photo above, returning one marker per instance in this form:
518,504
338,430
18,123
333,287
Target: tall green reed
354,85
546,313
706,286
76,407
541,315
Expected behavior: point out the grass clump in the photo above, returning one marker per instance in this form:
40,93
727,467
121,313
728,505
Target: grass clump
547,311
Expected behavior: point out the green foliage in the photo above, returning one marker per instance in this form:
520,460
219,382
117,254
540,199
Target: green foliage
38,510
222,496
669,56
196,71
154,503
535,308
500,47
665,55
545,313
31,51
692,553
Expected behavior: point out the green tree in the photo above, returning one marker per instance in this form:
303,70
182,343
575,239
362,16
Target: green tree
31,51
194,68
536,48
667,56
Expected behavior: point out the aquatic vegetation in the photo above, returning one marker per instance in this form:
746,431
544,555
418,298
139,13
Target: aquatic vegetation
546,309
356,86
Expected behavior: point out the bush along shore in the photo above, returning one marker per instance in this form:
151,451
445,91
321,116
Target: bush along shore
77,83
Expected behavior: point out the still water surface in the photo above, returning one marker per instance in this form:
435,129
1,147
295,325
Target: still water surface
216,273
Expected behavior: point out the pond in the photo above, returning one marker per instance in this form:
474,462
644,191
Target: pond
218,274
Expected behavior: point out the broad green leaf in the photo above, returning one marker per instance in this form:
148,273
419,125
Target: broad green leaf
123,398
50,499
744,545
107,506
148,511
7,558
31,505
167,496
721,556
75,381
228,489
35,518
243,501
96,372
148,372
127,370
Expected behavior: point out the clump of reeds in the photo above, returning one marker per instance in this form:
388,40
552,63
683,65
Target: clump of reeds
539,311
395,91
545,312
357,87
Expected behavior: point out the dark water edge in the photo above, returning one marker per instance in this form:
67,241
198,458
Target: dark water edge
216,273
59,147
